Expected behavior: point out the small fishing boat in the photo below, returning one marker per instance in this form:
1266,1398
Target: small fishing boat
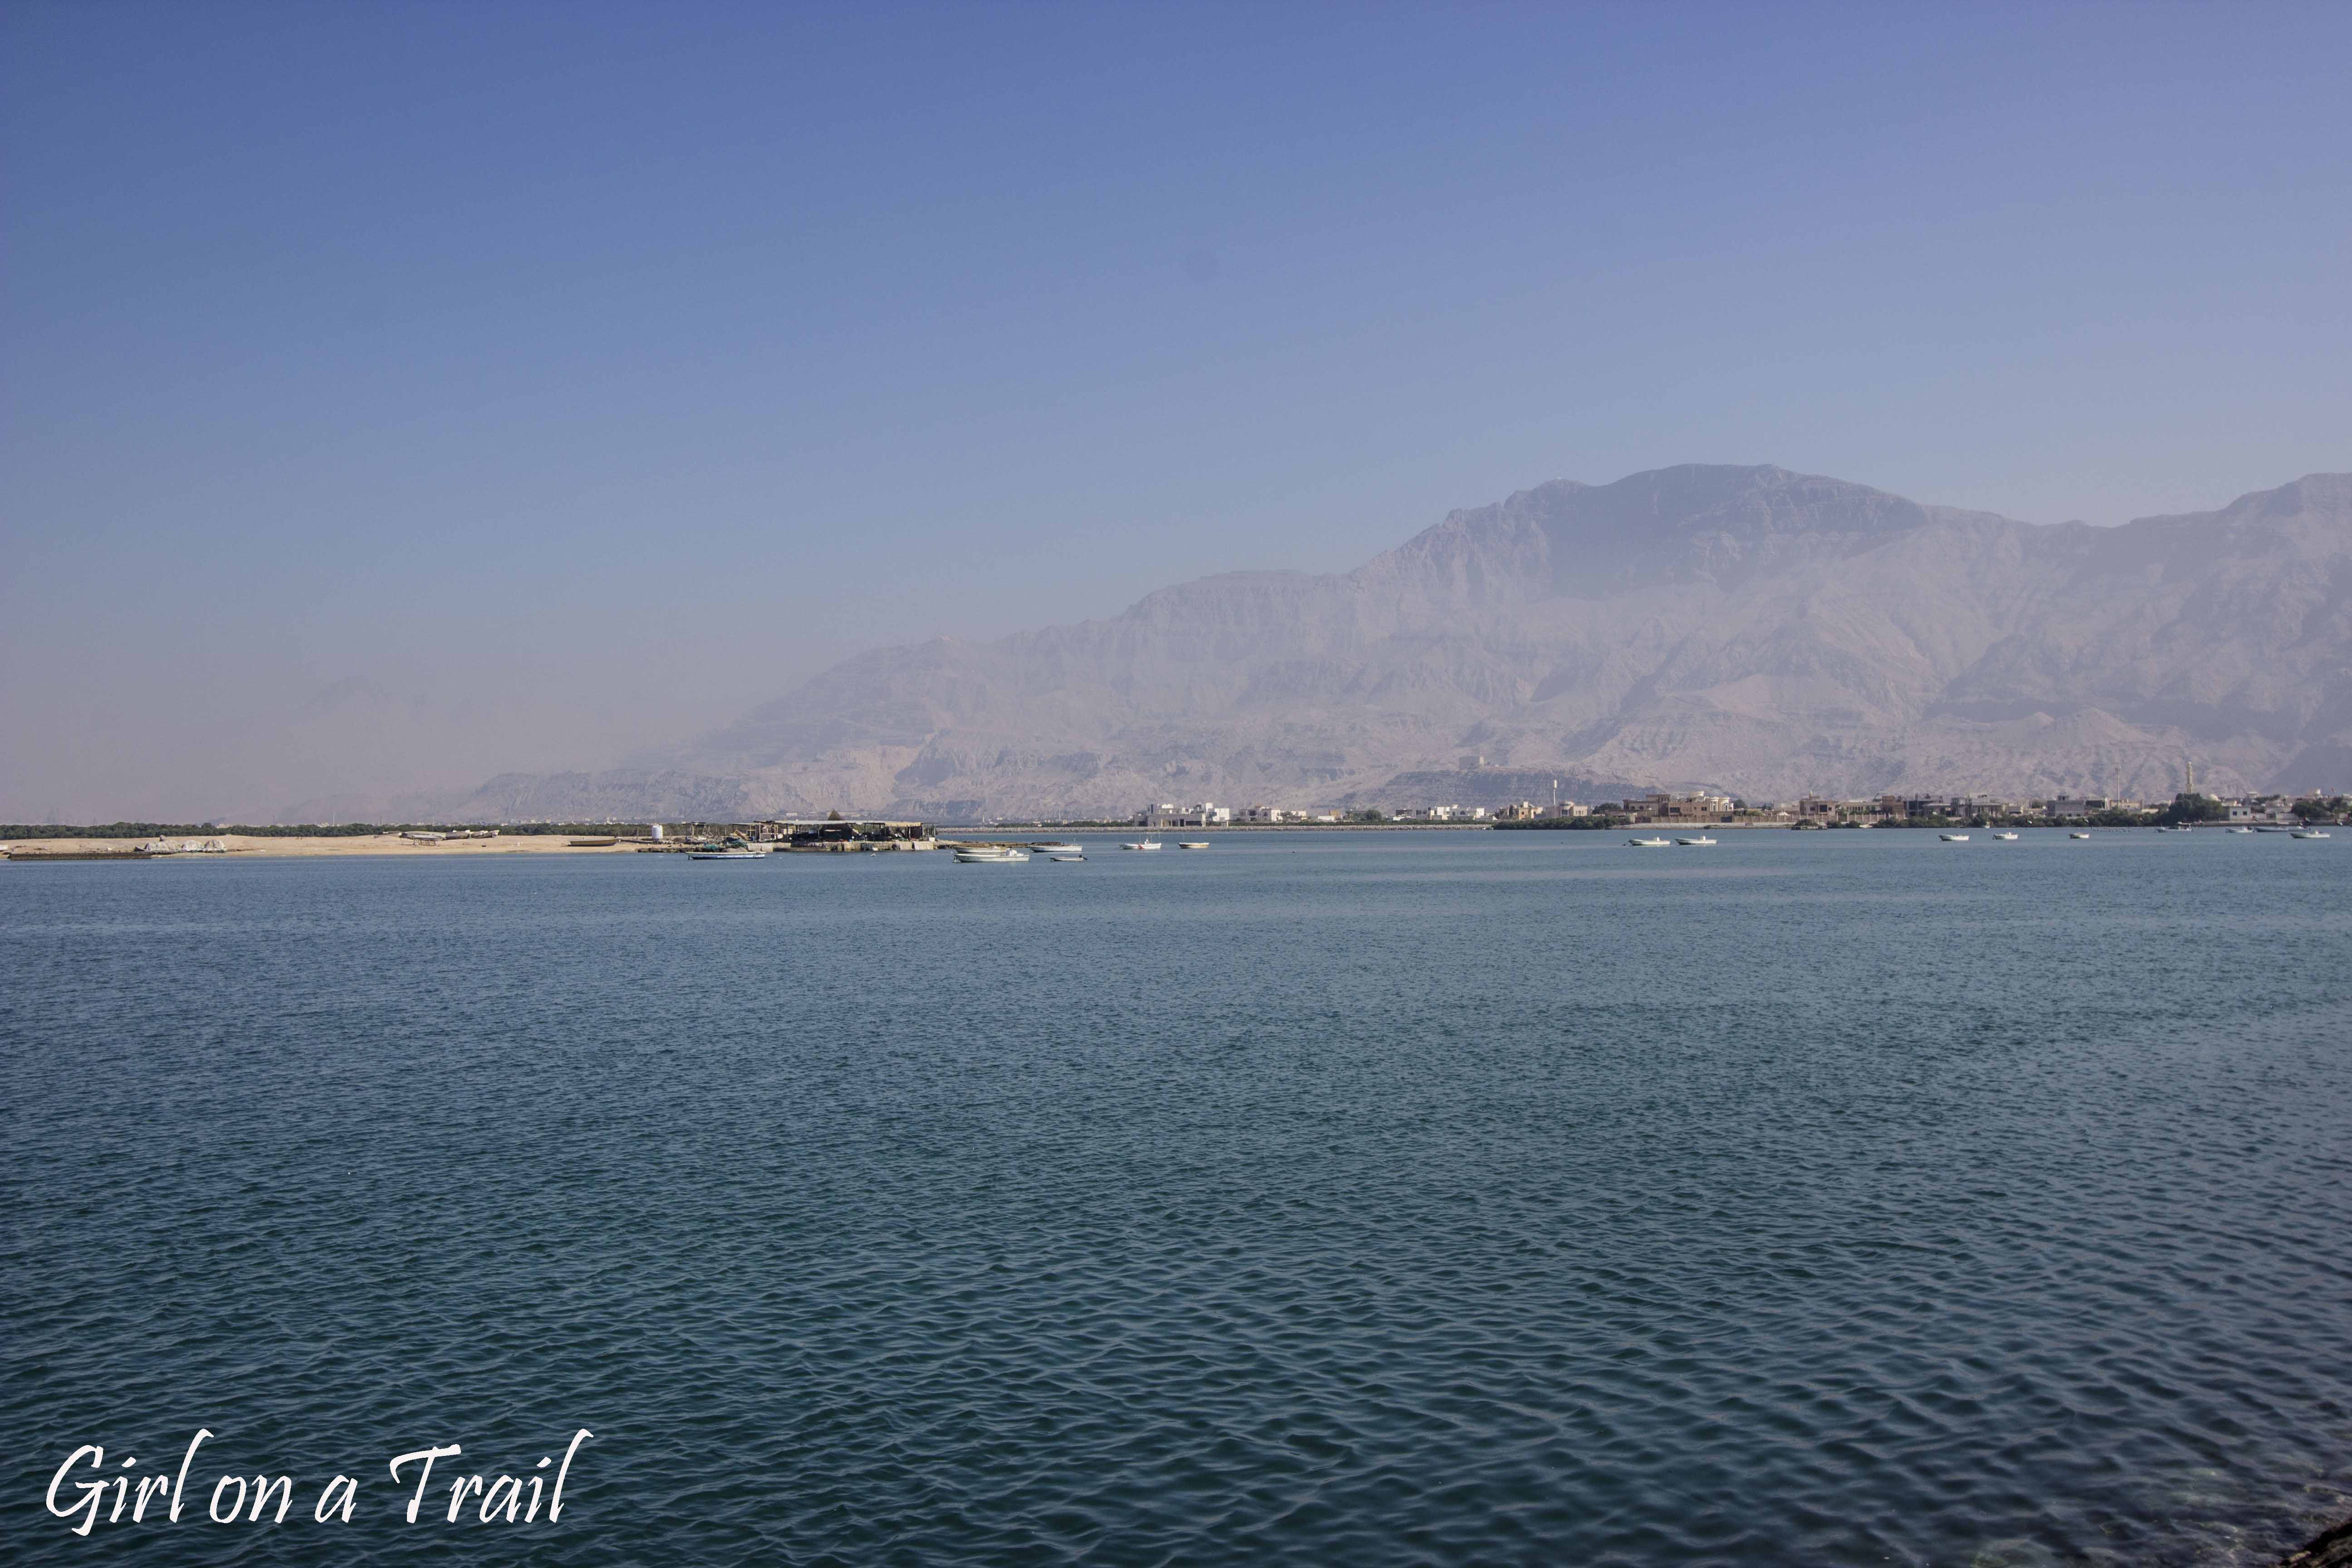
991,854
1191,844
1071,859
1142,844
1953,837
2242,830
1702,839
1650,843
1055,847
732,848
2078,835
2311,832
2006,838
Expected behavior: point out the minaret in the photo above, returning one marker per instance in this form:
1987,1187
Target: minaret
2193,777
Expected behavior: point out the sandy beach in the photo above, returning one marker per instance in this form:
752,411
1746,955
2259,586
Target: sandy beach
370,844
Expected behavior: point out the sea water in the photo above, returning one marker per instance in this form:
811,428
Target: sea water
1350,1198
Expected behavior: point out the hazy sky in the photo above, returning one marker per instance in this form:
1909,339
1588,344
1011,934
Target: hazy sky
397,394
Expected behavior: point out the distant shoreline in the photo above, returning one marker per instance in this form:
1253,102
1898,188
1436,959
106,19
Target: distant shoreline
1214,828
29,851
33,850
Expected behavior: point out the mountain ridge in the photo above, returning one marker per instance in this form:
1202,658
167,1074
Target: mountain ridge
1749,629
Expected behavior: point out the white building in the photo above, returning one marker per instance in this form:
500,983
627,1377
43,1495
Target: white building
1207,814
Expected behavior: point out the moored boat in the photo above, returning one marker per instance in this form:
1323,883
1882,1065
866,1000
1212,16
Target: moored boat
1702,839
36,854
1649,843
1191,844
1142,844
1953,837
734,847
2006,838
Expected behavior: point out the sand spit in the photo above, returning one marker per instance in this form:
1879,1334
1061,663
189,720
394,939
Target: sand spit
29,850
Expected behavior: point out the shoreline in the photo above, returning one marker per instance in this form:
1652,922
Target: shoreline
30,850
393,843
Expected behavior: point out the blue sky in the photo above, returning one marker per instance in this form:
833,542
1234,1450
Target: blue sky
405,393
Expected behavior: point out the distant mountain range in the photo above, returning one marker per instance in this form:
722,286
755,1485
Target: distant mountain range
1758,631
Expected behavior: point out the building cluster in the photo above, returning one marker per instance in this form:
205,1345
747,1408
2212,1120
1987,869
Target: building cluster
1209,814
2252,810
1705,808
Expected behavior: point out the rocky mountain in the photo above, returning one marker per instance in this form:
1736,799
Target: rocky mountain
1755,630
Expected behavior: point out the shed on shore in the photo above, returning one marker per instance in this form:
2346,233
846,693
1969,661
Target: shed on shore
846,837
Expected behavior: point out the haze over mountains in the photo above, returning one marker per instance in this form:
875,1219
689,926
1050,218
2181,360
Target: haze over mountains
1758,631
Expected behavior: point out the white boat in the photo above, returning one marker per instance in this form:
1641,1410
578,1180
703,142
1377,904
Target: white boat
1066,858
1650,843
2242,830
2006,838
2078,835
2311,833
1953,837
1058,848
1191,844
1143,844
991,854
1702,839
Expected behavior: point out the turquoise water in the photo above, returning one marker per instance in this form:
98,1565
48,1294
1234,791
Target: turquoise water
1823,1198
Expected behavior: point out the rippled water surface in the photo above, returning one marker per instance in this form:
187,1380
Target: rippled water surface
1825,1198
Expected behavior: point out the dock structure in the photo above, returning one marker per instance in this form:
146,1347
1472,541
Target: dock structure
844,836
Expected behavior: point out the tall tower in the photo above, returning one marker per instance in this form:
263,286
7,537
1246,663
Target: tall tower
2193,777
